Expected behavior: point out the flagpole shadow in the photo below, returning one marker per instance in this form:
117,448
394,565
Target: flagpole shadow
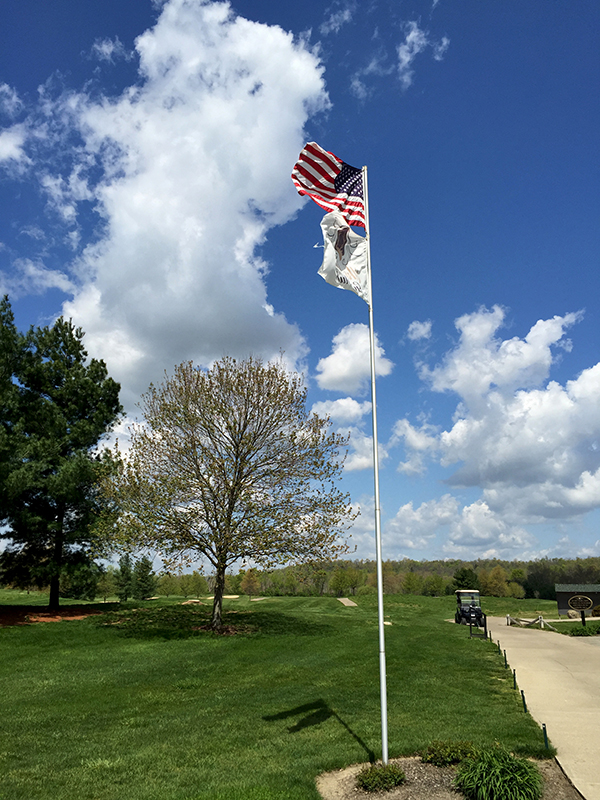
314,714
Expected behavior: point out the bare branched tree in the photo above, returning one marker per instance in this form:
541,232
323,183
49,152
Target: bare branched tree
229,465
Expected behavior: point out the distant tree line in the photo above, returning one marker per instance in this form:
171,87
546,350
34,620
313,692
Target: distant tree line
131,579
492,577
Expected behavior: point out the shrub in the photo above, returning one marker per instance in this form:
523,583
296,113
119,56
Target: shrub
596,611
495,774
363,590
441,754
380,777
584,630
515,590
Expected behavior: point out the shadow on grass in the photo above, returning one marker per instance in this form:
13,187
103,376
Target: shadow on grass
314,714
177,622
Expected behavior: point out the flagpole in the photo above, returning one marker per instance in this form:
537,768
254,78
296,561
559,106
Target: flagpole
382,669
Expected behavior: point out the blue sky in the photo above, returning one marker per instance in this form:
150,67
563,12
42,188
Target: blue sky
145,192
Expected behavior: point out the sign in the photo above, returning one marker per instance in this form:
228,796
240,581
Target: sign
580,602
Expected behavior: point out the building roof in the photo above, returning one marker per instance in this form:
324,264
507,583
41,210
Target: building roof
577,587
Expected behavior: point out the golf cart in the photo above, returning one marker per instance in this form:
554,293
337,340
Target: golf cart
468,608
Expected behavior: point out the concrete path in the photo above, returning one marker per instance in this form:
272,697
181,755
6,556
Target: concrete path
560,676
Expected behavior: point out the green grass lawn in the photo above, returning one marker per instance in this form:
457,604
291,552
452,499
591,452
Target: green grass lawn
523,609
142,705
32,598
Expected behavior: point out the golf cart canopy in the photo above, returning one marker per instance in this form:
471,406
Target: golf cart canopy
468,597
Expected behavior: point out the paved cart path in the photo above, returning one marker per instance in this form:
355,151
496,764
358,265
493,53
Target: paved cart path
560,676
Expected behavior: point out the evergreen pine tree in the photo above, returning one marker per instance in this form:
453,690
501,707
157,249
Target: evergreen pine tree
124,577
143,583
55,406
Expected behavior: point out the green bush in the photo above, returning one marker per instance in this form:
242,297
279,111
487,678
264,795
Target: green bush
584,630
380,778
495,774
363,590
441,754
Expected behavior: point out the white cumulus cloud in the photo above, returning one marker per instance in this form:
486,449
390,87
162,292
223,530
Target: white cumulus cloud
479,530
33,277
360,455
343,410
418,443
530,444
12,141
413,528
419,330
482,361
347,416
193,163
348,368
471,531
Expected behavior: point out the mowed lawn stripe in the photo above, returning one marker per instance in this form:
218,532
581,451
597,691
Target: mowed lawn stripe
138,710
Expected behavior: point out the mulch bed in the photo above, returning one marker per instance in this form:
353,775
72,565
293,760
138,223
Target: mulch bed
426,782
30,615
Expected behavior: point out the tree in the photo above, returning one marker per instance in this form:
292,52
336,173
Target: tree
143,579
434,585
231,584
250,583
318,580
290,581
186,584
55,409
465,578
198,584
518,575
107,584
79,580
354,577
339,583
167,584
230,466
493,583
124,577
542,576
412,583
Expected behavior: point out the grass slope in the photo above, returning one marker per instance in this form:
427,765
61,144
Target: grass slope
143,705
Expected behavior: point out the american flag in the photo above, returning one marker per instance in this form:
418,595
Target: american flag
331,183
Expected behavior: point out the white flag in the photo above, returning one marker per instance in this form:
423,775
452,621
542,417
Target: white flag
345,257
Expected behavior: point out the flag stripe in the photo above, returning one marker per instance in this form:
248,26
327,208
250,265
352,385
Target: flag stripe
332,162
315,175
312,182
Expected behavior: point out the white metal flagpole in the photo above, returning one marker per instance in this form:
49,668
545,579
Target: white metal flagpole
382,669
